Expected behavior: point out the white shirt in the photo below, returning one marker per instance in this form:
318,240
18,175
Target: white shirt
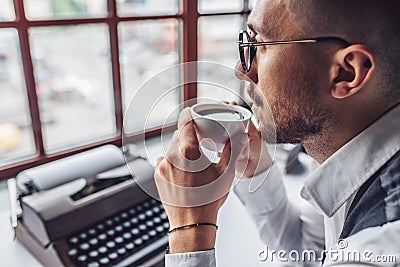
330,190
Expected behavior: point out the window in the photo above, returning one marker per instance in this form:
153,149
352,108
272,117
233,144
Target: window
128,8
69,69
213,6
143,55
217,43
58,9
73,78
6,10
16,136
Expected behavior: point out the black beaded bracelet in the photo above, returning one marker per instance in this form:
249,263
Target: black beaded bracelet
192,225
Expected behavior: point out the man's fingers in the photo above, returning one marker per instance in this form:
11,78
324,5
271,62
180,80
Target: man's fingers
232,150
188,143
233,103
158,161
253,130
184,117
174,140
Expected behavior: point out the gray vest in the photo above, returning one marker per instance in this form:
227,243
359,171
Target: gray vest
378,200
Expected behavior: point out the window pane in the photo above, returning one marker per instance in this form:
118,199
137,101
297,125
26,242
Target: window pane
252,3
16,139
74,83
210,6
143,56
57,9
6,10
218,44
147,7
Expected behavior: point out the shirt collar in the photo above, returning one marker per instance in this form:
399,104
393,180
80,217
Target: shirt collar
340,176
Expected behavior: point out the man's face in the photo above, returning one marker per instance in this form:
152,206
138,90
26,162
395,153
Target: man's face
292,80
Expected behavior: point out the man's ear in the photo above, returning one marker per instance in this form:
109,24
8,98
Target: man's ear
353,68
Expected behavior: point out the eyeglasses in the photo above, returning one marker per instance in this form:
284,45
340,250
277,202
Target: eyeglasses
247,56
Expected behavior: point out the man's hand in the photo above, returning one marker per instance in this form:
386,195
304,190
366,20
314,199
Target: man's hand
254,157
192,188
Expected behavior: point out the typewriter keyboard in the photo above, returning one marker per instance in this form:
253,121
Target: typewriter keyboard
122,239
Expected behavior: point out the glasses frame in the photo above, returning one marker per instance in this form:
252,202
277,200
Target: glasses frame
252,46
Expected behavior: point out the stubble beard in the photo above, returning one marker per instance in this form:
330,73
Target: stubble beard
294,122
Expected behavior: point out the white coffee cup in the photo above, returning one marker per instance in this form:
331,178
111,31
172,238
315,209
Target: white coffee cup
217,123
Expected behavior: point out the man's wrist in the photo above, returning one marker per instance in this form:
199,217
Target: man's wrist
192,239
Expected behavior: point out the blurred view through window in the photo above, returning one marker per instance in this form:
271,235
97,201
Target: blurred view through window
56,9
217,43
146,49
214,6
16,139
83,60
148,7
6,10
73,82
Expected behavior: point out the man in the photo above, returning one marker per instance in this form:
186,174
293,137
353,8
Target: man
333,86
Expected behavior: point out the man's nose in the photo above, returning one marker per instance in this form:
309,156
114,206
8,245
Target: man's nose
241,74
